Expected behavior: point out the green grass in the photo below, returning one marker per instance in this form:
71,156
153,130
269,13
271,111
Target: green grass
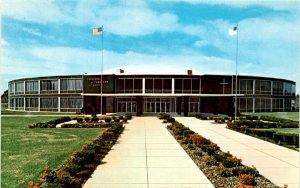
286,115
26,151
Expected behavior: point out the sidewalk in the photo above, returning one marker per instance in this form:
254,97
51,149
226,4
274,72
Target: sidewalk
147,156
277,163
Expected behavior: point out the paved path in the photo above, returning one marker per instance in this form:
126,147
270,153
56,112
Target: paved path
147,156
277,163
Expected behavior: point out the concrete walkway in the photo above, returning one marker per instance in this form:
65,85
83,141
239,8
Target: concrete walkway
147,156
277,163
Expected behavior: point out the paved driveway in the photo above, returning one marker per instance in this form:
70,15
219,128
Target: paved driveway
147,156
277,163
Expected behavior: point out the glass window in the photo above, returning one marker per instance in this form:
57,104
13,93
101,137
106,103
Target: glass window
64,85
19,87
48,85
178,85
138,85
31,86
78,84
149,85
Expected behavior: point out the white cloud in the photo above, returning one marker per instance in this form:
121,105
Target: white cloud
40,11
276,4
32,31
4,42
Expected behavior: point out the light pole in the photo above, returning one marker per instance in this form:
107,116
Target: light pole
236,68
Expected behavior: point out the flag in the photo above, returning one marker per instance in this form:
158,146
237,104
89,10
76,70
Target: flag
98,31
233,31
121,71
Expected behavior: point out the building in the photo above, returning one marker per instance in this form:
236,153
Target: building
142,94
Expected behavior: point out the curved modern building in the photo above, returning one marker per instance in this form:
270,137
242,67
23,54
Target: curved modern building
141,94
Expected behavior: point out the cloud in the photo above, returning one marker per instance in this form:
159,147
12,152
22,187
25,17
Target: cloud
4,42
276,4
32,31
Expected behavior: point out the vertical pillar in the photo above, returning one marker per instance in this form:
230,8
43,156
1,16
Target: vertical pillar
58,86
173,85
271,87
24,87
39,86
253,110
254,87
143,86
271,104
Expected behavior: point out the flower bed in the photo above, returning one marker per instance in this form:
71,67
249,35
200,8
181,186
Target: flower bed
80,164
89,125
222,169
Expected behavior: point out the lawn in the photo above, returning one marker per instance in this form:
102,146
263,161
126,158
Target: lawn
285,130
26,151
286,115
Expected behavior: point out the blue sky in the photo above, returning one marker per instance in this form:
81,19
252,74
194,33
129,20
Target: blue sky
51,37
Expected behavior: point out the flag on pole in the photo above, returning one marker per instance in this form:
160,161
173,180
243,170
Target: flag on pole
121,71
98,31
233,31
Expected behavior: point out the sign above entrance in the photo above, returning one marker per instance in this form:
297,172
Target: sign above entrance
92,84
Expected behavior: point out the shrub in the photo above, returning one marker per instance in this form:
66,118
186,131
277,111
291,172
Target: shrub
198,153
246,179
87,119
73,168
107,119
171,119
230,162
209,160
128,116
79,120
125,120
117,120
219,157
95,119
188,132
198,140
114,117
236,171
191,147
163,116
121,117
209,148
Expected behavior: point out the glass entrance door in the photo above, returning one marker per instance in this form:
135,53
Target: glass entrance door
159,105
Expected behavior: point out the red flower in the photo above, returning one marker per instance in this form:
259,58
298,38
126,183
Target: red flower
30,184
46,168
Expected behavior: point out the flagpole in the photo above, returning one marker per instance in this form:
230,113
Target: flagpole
236,67
101,70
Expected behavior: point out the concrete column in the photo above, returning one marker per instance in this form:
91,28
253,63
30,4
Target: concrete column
271,104
58,86
271,88
253,105
143,85
253,87
24,87
173,85
39,86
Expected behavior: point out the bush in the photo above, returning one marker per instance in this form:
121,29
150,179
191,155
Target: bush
210,148
198,140
107,119
128,116
246,179
236,171
117,120
95,119
231,162
163,116
198,153
79,120
121,117
87,119
170,119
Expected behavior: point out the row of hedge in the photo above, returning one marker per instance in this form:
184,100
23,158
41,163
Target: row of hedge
220,167
89,125
265,131
50,124
80,164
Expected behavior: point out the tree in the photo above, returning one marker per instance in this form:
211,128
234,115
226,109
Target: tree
4,97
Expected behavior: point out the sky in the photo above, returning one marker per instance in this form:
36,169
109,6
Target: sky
54,37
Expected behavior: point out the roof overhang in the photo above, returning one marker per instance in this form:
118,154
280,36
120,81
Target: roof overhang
160,95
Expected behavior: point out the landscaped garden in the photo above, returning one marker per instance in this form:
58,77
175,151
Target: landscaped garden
28,155
280,131
221,168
